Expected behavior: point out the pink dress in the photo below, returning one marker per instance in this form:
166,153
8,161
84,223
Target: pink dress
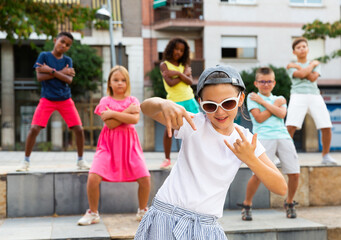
119,156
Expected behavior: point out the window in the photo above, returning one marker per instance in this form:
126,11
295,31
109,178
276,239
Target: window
239,47
316,48
240,1
306,2
24,59
162,43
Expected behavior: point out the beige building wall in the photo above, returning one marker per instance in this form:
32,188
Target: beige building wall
274,24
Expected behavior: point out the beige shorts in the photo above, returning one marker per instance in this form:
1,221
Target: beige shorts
301,104
285,150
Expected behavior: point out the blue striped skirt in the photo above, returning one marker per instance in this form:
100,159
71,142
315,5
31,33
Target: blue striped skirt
165,221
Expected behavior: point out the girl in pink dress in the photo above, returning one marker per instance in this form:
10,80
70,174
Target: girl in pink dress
119,156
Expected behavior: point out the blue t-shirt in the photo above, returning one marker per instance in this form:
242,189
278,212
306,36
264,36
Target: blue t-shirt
54,89
271,128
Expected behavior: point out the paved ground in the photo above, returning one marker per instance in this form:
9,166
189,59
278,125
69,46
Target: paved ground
124,226
65,161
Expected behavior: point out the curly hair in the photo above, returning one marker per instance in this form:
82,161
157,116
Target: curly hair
168,52
66,34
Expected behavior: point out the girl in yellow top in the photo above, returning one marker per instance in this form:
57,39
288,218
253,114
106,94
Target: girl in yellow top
177,79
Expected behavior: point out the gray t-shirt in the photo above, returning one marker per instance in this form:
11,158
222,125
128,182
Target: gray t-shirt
304,86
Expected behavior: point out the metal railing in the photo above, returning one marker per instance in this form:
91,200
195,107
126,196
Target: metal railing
180,9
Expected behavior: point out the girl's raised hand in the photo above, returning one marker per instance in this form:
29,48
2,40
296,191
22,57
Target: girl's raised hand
173,115
243,149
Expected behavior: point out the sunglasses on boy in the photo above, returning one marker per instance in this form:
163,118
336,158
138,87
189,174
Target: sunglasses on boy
263,82
228,104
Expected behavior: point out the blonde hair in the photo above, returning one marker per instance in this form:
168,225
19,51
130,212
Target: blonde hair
125,73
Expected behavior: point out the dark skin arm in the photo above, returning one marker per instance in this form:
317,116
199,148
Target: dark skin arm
167,74
44,73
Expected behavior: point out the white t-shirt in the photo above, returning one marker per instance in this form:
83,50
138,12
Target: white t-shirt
205,168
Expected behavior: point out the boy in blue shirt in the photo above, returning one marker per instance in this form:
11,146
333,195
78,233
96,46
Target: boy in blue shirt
267,114
55,72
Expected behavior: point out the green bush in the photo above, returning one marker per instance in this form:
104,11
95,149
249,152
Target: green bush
283,82
157,82
44,146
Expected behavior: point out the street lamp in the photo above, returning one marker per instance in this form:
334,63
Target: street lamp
104,14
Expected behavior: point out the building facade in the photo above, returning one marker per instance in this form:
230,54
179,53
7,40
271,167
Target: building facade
241,33
20,91
244,34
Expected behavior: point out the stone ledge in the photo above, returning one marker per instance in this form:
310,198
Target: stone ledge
318,186
3,195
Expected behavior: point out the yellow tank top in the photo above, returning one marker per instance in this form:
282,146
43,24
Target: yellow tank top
181,91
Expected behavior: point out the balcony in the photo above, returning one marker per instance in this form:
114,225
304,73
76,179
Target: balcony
179,15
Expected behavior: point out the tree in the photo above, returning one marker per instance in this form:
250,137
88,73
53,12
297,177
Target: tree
20,18
157,82
318,29
87,64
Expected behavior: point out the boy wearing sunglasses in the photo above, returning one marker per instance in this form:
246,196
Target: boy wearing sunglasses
213,147
267,114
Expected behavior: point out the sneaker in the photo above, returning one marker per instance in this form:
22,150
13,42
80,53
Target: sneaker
166,164
89,218
290,208
140,213
23,167
246,212
82,165
328,160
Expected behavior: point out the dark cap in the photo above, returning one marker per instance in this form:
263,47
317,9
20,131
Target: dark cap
234,77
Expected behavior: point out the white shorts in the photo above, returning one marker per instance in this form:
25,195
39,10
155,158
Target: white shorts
285,150
314,104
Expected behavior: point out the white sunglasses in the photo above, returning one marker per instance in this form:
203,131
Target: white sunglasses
228,104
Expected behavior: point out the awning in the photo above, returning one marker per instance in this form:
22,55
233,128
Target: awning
159,3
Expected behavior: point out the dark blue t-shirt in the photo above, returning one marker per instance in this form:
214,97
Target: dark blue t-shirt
54,89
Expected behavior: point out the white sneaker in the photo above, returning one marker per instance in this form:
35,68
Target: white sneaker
82,165
89,218
23,167
328,160
140,213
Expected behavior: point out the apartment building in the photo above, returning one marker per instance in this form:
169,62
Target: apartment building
19,94
245,34
241,33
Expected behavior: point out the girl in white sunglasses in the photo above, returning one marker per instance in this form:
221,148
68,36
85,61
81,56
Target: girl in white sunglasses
192,197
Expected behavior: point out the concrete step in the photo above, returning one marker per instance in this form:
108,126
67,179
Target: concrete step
35,194
47,190
270,224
